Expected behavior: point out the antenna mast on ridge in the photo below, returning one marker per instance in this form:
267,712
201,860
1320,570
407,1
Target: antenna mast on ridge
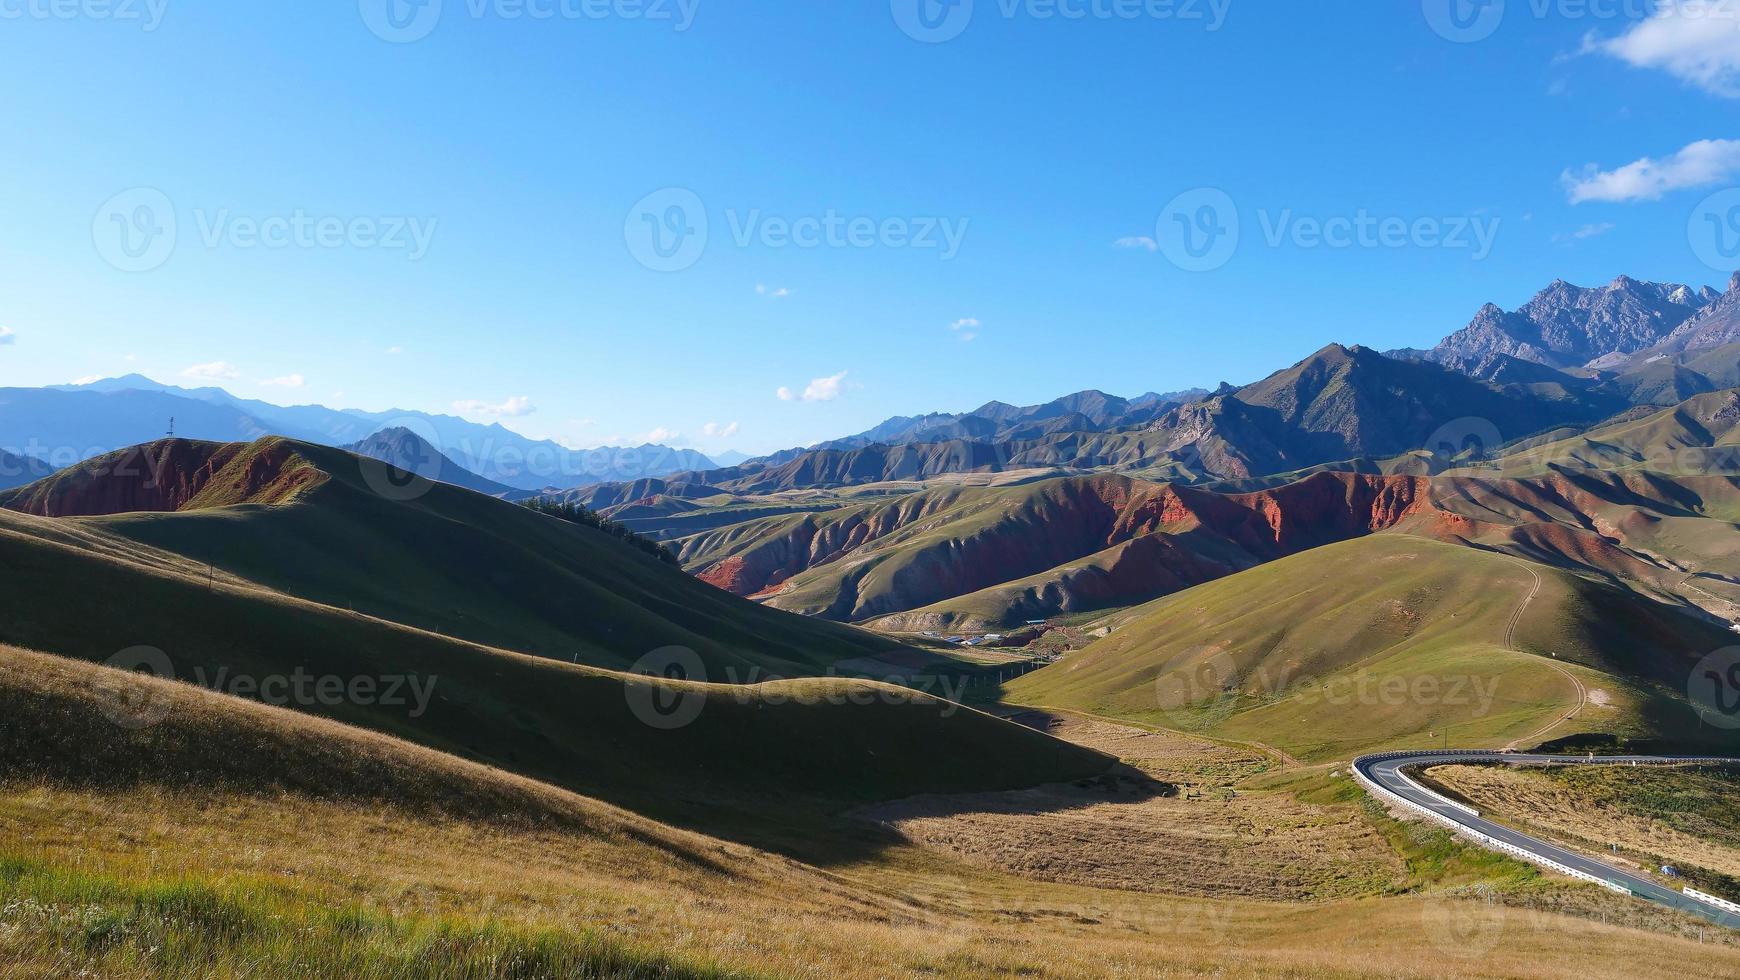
172,427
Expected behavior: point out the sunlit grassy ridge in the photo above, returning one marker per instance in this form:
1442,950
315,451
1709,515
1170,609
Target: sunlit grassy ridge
1391,641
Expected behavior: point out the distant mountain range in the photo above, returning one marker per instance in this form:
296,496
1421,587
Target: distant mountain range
1084,411
70,423
1341,405
1590,331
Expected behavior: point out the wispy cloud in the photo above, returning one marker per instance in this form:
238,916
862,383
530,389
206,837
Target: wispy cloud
518,406
771,292
663,436
395,349
1587,231
212,371
1696,41
717,430
819,390
287,381
966,328
1138,241
7,337
1701,164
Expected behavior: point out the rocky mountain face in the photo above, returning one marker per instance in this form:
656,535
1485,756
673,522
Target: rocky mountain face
1567,326
1716,325
1344,403
1090,541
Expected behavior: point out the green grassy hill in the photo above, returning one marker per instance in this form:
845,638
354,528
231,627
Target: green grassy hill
434,557
1392,641
570,725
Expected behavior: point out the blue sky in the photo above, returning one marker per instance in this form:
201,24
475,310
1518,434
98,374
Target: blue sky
485,191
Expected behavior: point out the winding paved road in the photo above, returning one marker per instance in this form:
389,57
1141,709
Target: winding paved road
1386,771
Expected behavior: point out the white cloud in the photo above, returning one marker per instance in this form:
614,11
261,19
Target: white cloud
779,293
819,390
516,407
714,430
7,337
1701,164
1587,231
967,328
663,436
89,379
214,371
395,349
1138,241
1696,41
287,381
825,389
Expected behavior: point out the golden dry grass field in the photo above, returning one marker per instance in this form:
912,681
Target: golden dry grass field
356,854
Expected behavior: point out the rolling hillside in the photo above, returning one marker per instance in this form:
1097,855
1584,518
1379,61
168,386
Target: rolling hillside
1391,641
78,589
351,533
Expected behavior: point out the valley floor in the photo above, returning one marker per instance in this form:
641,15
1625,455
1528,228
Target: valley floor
518,880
